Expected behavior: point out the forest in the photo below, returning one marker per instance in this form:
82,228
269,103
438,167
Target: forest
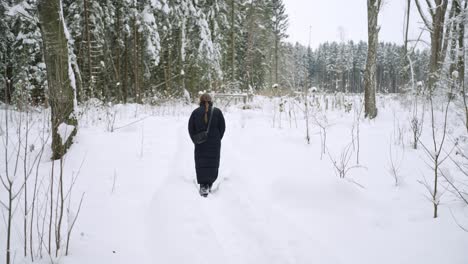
133,51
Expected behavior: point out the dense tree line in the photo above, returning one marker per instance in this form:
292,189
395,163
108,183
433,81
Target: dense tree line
126,51
340,67
131,50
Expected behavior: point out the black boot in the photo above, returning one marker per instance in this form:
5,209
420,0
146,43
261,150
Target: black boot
204,190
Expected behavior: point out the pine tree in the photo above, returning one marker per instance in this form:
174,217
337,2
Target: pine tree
279,24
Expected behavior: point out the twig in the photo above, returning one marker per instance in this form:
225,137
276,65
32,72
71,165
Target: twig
73,224
456,222
134,122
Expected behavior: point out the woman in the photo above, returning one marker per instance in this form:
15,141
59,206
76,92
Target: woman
207,154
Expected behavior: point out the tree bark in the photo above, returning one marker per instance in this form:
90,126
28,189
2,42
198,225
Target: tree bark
408,12
373,8
233,43
465,52
436,27
58,66
125,72
8,82
276,58
88,49
461,36
250,44
117,58
10,209
136,63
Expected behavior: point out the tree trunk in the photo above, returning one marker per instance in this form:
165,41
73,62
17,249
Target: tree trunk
125,72
461,35
9,227
59,75
182,56
8,83
79,81
136,62
465,80
169,70
88,49
404,59
435,201
373,8
276,59
436,44
233,43
250,49
436,28
117,59
407,16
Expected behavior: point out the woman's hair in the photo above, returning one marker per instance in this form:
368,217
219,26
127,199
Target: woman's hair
205,100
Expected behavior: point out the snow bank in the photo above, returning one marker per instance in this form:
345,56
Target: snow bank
65,131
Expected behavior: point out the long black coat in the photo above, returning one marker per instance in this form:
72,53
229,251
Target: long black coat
207,154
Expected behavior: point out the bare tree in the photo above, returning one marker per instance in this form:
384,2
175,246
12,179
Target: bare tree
320,120
416,127
73,219
355,130
59,210
8,180
373,9
406,29
394,165
434,20
111,115
306,113
44,140
341,164
434,152
461,167
416,121
16,154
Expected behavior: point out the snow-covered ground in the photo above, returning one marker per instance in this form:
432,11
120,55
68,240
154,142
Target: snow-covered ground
278,200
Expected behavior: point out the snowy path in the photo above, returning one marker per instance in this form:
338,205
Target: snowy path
229,226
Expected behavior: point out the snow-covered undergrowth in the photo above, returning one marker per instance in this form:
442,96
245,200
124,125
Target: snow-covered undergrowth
280,200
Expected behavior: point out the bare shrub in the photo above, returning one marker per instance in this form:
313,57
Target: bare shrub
394,165
341,164
110,118
319,119
434,152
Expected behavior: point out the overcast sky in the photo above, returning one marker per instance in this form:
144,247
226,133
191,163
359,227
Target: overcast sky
327,16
